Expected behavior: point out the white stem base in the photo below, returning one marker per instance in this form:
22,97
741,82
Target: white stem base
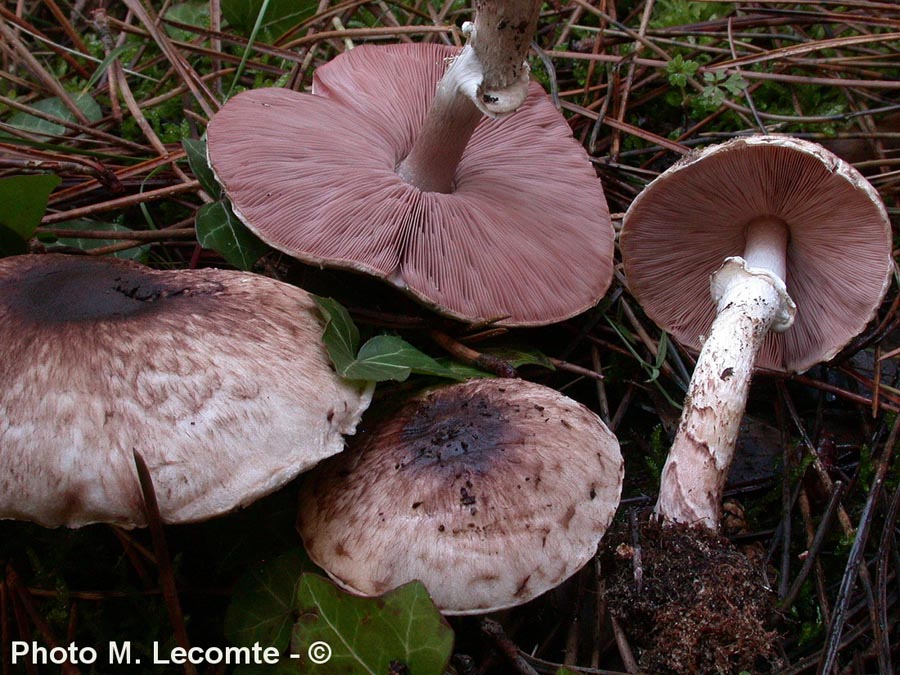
750,302
495,99
501,37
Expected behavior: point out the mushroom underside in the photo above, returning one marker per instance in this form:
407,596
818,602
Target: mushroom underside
509,242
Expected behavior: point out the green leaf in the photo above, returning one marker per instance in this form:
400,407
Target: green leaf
661,350
263,604
220,230
23,200
367,635
679,70
384,357
341,336
105,63
711,98
518,357
191,13
651,369
136,253
196,157
735,84
55,107
565,671
463,371
280,16
388,357
11,243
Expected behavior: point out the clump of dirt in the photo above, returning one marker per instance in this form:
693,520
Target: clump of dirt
697,605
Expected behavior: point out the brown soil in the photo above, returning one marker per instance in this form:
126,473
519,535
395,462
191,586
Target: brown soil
700,607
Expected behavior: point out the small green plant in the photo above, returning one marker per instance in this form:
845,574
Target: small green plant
659,450
652,369
669,13
680,70
718,88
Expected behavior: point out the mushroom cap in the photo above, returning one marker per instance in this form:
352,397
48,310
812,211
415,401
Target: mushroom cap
526,233
490,492
684,224
218,378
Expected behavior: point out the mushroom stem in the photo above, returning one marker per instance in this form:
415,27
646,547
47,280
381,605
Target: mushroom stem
489,77
751,300
431,164
766,245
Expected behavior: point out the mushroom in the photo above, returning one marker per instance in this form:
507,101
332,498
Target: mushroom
390,169
798,248
218,378
490,492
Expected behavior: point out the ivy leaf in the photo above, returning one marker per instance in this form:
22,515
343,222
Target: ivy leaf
136,253
369,635
55,107
190,13
517,357
280,16
341,336
384,357
196,157
220,230
388,357
23,201
263,604
463,371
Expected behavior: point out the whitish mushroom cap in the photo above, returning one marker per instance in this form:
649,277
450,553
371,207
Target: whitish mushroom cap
490,492
685,223
218,378
526,233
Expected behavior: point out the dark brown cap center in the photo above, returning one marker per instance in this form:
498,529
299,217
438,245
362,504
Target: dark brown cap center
78,290
452,430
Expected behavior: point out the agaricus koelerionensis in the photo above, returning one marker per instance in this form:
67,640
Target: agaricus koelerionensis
490,492
391,168
798,247
217,378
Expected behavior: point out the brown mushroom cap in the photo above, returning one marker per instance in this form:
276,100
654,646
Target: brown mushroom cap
526,233
685,223
219,379
490,492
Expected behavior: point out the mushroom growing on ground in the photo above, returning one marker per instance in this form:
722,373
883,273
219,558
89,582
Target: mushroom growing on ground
218,379
390,168
490,492
798,246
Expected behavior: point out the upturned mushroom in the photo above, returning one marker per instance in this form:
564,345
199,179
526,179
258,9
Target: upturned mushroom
391,168
490,492
217,378
797,245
